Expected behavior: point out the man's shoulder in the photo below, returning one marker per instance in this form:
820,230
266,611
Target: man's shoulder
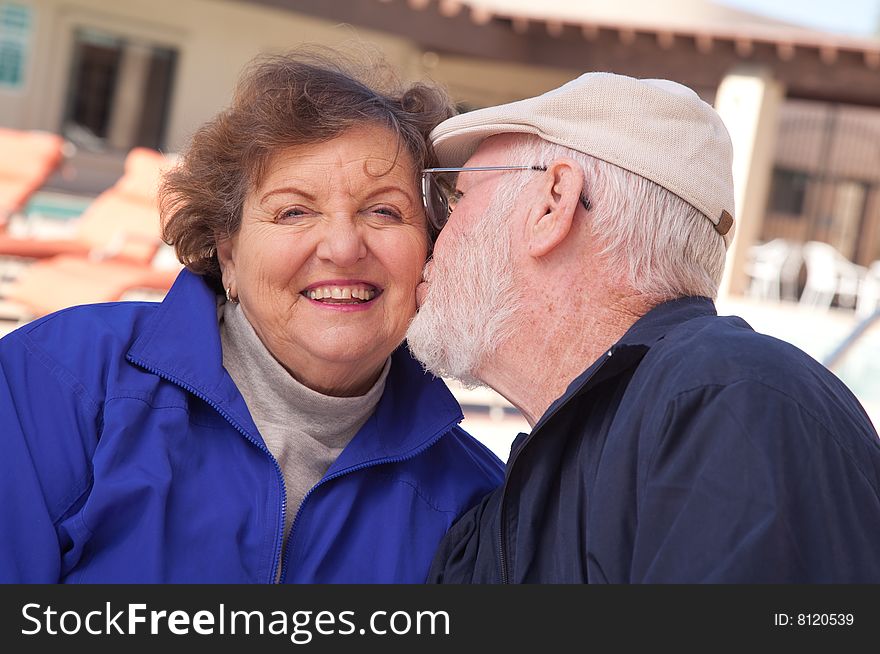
750,377
723,350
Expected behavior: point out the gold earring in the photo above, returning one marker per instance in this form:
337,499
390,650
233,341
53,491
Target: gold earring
229,297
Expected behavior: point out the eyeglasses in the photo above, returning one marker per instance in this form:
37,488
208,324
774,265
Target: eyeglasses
439,195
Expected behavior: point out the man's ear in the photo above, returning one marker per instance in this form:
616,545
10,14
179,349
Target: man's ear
556,202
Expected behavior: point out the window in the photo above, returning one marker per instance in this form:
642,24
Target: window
788,191
119,92
15,30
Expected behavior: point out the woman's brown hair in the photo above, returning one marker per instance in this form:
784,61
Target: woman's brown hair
281,101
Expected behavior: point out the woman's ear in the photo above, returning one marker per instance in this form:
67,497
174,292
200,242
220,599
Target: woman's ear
226,256
557,199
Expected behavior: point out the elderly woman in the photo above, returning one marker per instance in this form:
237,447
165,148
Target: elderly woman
263,423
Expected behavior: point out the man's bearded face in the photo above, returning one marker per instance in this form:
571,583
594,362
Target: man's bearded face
471,301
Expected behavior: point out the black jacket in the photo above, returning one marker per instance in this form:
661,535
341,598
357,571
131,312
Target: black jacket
695,450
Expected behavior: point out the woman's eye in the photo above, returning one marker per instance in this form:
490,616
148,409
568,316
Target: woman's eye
387,211
290,214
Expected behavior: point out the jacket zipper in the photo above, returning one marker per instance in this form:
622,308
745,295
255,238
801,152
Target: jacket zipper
248,437
502,557
339,473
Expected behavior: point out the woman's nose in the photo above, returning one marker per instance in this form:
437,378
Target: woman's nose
342,243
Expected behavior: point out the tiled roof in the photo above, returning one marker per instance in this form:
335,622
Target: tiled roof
703,21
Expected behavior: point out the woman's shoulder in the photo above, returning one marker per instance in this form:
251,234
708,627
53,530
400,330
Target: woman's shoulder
85,323
457,471
470,456
77,339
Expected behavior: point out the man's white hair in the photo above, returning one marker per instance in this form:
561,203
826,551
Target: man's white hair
659,244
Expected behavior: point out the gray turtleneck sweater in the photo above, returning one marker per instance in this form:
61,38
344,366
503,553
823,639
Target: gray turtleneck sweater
304,430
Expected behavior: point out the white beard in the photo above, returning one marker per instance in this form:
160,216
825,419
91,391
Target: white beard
471,306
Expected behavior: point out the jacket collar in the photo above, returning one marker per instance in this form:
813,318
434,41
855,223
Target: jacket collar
633,345
181,343
660,320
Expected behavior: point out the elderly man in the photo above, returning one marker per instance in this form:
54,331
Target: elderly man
586,238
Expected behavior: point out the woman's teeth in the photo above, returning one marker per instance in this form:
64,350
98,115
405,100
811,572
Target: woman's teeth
341,293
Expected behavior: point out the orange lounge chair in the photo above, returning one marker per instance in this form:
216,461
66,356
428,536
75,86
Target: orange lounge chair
27,158
65,281
122,222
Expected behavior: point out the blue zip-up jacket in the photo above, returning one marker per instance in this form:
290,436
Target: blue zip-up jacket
694,451
127,454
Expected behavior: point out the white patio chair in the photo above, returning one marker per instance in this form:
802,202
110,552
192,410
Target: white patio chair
869,292
773,267
830,275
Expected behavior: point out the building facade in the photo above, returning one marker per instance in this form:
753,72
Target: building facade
802,107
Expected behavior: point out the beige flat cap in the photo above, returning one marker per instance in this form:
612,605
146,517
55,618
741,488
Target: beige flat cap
655,128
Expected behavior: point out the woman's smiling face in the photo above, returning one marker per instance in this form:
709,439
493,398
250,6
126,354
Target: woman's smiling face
327,258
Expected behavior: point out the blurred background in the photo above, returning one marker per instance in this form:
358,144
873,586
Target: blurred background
97,96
